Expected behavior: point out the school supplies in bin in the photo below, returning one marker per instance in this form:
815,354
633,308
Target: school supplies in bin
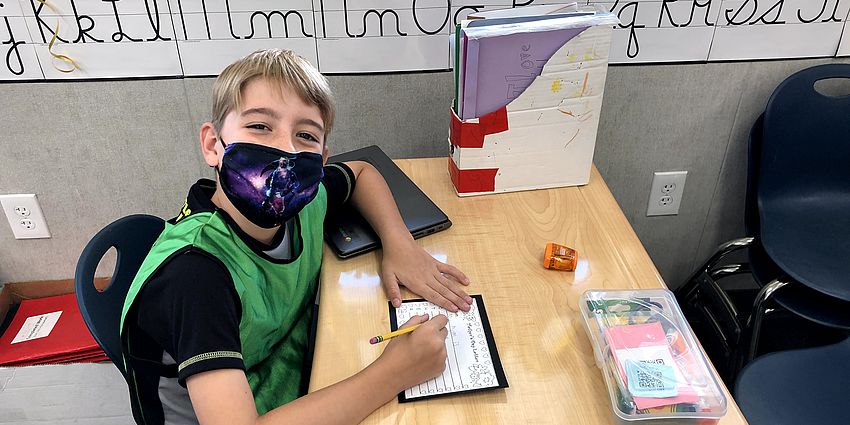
649,358
46,331
528,93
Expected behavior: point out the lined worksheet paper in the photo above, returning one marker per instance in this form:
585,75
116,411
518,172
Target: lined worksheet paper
472,363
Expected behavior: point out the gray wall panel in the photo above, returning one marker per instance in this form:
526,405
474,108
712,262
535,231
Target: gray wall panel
397,112
407,115
92,152
199,106
95,151
725,219
674,117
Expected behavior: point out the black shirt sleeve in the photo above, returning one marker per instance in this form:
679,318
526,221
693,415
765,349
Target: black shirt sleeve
191,309
339,183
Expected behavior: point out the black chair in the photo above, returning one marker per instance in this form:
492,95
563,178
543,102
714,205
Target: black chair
132,237
796,213
793,387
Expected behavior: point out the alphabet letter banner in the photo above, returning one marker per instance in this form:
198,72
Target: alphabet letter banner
83,39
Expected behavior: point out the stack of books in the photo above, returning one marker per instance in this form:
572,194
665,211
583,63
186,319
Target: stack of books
48,331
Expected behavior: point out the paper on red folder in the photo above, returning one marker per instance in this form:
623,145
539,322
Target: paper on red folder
48,330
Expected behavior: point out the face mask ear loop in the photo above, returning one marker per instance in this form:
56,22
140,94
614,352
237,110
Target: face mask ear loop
217,167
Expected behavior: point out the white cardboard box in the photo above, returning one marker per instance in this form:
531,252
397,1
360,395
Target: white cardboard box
545,137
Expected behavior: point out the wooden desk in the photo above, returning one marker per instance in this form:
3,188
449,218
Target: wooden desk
498,241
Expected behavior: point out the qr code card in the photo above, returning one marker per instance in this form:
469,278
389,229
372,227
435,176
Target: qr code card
651,378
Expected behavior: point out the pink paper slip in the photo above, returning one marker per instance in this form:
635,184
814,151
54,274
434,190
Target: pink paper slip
647,343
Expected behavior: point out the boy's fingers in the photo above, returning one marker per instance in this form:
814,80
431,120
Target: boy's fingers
415,320
447,299
392,291
458,290
435,297
453,272
437,322
445,289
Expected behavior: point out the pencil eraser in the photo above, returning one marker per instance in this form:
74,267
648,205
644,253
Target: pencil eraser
373,340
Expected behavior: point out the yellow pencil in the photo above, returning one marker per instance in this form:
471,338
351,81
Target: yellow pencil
393,334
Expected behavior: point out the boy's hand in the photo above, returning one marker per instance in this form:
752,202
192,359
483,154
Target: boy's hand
409,265
419,355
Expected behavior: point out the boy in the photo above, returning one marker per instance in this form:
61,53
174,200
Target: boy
215,324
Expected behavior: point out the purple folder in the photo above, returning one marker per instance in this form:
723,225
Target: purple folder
498,69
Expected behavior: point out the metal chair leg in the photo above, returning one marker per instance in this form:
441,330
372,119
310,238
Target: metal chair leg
727,248
719,295
685,291
729,270
756,317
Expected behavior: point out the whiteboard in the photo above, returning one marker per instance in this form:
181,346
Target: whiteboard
172,38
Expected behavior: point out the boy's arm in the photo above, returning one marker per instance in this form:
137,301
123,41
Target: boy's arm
404,262
224,397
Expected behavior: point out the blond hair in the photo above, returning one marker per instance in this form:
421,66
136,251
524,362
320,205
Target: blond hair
279,67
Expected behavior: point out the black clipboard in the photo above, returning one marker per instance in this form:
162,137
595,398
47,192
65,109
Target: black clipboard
501,379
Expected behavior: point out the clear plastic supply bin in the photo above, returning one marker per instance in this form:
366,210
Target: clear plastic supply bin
651,362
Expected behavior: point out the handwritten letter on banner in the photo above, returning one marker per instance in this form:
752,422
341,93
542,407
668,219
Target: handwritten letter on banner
157,38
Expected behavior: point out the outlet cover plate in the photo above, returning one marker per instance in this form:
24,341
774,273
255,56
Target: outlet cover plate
25,216
665,196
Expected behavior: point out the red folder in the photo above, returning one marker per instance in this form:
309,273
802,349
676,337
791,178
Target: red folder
91,358
69,340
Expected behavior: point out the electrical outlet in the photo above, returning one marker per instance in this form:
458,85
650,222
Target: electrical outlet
25,216
665,196
22,211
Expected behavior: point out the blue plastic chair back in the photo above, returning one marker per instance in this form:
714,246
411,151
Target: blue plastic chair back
132,237
800,299
804,181
763,268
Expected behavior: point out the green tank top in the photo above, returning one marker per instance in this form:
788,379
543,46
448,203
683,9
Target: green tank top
276,297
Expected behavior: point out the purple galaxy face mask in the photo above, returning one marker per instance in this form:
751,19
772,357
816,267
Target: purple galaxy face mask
267,185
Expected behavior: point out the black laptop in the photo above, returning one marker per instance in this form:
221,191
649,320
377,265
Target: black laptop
349,234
